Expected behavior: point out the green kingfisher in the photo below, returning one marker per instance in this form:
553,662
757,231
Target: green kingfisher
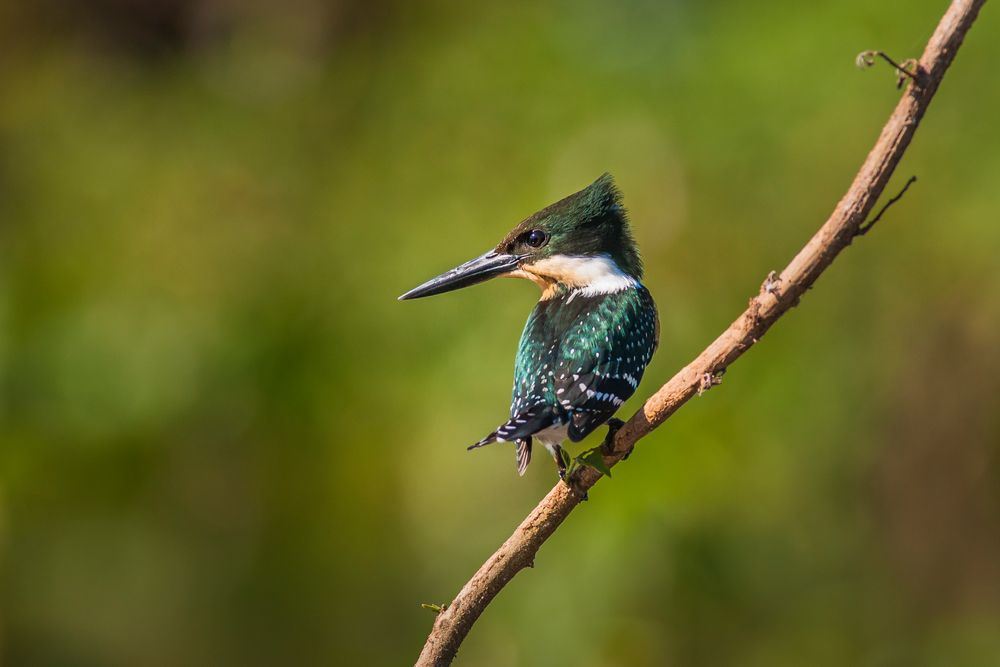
593,331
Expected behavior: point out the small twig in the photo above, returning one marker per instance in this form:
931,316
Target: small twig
867,59
436,608
865,227
709,380
771,284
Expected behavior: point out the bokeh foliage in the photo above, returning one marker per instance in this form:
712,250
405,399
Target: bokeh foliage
222,440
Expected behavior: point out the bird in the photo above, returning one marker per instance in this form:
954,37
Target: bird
593,331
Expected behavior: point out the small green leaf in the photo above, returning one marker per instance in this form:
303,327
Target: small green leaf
595,460
564,455
436,608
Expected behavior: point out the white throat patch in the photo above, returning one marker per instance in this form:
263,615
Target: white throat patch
586,276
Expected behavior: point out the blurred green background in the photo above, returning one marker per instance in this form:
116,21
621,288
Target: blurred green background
224,442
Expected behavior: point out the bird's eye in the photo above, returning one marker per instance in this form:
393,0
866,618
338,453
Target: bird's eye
536,238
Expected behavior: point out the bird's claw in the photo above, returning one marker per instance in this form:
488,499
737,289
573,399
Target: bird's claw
562,461
608,446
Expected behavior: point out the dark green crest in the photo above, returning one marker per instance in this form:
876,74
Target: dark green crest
590,222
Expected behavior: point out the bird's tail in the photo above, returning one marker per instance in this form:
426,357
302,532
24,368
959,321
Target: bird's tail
488,440
520,426
519,430
522,454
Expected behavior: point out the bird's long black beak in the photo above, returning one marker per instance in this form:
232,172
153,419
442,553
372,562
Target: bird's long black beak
486,266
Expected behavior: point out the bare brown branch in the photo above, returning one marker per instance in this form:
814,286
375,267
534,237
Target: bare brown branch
778,294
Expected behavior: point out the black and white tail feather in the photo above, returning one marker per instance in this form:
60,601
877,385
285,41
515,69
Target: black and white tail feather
519,429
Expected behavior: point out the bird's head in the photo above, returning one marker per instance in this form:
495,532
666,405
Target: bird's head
582,241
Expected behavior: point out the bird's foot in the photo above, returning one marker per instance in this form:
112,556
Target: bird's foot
567,472
608,446
562,461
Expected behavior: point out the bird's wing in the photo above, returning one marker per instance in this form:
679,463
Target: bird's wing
596,376
597,404
579,360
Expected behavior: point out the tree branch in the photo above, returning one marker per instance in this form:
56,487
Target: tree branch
778,294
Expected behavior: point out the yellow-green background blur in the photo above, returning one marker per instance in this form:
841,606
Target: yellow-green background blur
224,442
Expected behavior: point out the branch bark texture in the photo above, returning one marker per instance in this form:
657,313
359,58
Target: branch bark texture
778,294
